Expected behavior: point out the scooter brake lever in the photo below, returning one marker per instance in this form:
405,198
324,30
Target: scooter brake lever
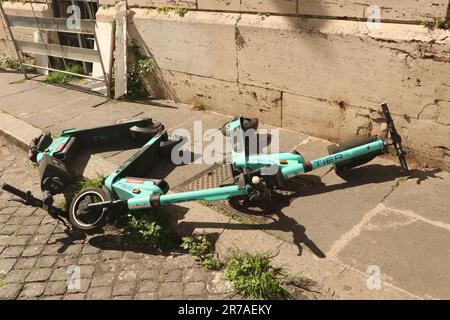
18,200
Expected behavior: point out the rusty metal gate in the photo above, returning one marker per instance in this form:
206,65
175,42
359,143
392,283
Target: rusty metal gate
59,25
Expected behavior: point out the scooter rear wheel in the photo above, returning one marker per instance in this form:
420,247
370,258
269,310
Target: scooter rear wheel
146,132
247,124
86,219
355,161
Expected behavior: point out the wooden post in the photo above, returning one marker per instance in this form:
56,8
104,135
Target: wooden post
120,62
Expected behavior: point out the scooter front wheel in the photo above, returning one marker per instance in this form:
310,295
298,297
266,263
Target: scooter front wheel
83,218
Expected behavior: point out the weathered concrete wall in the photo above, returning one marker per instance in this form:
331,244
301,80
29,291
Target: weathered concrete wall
409,10
405,10
319,76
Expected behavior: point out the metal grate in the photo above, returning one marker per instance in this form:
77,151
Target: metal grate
221,174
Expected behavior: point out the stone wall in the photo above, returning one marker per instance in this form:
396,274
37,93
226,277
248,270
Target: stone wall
404,10
324,77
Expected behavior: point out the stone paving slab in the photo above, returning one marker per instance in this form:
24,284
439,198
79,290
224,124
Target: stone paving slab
10,76
179,174
322,214
410,253
34,101
427,188
47,105
313,148
335,279
75,103
14,83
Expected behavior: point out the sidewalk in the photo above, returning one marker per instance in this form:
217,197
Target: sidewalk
333,233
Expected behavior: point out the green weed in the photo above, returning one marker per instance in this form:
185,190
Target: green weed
437,23
8,62
64,206
201,247
177,10
253,277
136,72
63,78
89,183
150,228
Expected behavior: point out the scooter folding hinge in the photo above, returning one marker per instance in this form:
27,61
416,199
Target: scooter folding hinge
155,200
241,181
274,169
388,142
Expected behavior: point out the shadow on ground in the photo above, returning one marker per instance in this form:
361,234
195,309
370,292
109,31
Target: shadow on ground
369,174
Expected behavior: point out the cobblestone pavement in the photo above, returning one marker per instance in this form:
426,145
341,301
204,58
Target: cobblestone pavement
37,256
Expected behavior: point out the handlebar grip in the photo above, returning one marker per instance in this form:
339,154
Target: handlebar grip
26,196
39,144
14,191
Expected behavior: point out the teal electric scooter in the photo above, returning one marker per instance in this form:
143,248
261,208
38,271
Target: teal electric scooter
255,175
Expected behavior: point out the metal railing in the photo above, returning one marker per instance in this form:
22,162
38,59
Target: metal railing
84,26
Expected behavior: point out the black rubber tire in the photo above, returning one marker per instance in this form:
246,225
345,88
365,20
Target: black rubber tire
165,147
147,132
99,222
247,123
357,161
250,123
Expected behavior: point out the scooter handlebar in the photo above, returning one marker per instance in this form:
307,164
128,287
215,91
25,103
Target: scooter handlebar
27,197
396,139
39,144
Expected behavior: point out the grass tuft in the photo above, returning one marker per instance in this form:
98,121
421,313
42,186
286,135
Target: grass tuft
62,78
253,277
437,23
89,183
150,228
177,10
64,206
201,247
136,72
8,62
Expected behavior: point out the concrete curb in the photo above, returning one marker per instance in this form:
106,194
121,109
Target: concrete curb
333,277
17,131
